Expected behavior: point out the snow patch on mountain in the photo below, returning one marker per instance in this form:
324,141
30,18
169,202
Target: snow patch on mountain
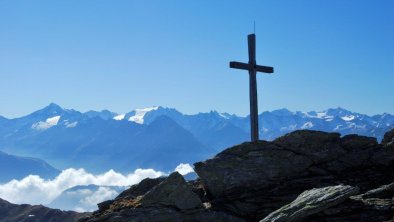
119,117
71,125
307,125
47,124
348,118
225,115
140,113
323,115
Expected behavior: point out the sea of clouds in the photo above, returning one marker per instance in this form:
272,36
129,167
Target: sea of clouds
35,190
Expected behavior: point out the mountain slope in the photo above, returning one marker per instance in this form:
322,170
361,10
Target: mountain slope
35,213
14,167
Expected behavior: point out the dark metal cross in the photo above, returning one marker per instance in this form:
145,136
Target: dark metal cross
252,67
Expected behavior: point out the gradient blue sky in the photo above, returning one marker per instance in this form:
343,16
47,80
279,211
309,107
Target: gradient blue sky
121,55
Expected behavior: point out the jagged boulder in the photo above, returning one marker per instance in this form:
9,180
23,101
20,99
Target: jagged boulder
141,188
172,192
253,179
132,193
311,202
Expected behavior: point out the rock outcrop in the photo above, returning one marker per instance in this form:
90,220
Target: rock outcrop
373,206
311,202
172,192
339,204
302,176
35,213
388,138
252,180
169,199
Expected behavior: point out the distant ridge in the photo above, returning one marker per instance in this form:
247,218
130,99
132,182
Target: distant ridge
101,140
15,167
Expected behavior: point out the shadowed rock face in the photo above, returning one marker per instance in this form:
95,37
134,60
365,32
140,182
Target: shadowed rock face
17,213
253,179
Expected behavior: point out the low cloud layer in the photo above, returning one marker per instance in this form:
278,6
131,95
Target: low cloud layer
35,190
85,198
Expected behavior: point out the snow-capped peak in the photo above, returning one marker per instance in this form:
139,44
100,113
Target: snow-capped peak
225,115
140,113
52,121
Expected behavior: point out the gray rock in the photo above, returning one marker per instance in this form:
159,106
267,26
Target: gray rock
103,206
311,202
250,165
252,180
388,138
174,192
381,192
374,205
317,146
141,188
170,200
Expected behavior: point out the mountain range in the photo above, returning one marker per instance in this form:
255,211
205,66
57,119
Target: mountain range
159,137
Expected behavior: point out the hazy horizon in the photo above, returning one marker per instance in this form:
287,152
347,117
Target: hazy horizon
194,113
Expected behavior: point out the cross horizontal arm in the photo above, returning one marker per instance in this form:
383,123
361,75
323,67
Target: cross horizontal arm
247,66
239,65
266,69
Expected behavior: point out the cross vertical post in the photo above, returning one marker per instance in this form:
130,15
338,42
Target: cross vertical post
254,113
253,68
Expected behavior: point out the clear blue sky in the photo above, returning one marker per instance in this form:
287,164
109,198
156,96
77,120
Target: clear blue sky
121,55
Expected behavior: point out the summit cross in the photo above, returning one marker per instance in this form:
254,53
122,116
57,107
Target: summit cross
253,68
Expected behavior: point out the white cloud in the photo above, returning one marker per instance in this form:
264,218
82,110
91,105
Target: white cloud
103,193
35,190
184,168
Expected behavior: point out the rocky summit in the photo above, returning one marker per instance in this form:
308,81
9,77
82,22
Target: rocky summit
302,176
